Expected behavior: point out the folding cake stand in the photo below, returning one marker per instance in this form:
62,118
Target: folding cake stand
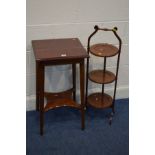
101,100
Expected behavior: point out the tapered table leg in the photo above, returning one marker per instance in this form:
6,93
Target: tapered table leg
74,81
37,87
41,96
82,94
87,71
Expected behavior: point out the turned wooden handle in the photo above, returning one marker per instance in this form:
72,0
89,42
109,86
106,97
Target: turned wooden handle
105,29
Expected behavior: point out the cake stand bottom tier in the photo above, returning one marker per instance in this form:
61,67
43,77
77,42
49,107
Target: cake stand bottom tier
99,100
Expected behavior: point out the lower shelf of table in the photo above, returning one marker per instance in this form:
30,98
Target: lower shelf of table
61,103
60,99
99,100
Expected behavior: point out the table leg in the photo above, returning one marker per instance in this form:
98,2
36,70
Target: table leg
37,87
82,95
87,71
74,81
41,96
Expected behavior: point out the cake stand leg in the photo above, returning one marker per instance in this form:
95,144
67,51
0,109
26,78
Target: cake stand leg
110,117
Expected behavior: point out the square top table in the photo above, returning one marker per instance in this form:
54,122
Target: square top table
58,52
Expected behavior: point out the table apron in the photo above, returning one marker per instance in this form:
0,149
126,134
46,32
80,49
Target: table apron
60,62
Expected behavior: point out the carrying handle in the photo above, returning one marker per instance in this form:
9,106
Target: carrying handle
96,27
105,29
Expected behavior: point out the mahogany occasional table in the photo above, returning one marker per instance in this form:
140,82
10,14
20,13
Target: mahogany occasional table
59,52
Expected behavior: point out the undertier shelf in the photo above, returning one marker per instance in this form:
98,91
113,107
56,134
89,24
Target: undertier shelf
60,99
98,100
61,103
103,50
101,77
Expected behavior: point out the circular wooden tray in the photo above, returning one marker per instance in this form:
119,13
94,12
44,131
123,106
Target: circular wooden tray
98,100
103,50
99,76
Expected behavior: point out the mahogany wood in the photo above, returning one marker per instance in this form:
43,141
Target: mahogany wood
61,102
60,99
98,100
37,87
58,52
82,79
102,100
103,50
101,76
50,96
58,49
40,80
74,80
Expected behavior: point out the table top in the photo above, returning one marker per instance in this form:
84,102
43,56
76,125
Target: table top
57,49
